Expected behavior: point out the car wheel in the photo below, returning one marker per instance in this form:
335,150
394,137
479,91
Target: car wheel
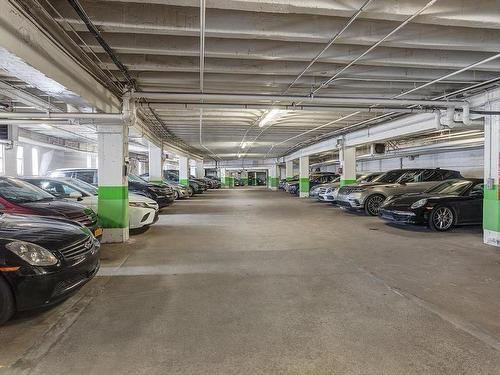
191,191
373,203
6,302
176,194
441,219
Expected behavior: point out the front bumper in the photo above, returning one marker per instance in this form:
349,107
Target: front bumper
35,290
351,201
141,216
326,198
401,217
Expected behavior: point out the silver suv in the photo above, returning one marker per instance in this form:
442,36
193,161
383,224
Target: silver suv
369,197
330,191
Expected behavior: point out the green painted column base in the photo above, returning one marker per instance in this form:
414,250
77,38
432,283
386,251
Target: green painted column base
184,181
347,182
304,187
113,206
273,182
491,209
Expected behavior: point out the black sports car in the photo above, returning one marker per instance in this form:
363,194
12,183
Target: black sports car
453,202
43,261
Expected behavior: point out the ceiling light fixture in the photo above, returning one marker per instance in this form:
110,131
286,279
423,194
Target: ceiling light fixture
268,117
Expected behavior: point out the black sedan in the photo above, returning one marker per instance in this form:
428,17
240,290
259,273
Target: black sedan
42,261
453,202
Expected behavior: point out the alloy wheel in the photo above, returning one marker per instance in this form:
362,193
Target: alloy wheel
373,204
442,218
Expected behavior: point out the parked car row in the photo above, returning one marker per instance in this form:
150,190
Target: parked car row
439,198
50,232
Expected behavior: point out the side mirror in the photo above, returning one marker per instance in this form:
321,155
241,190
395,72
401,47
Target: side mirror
75,195
477,194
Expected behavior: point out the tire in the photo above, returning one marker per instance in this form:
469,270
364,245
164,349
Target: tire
176,195
191,191
441,219
373,203
7,306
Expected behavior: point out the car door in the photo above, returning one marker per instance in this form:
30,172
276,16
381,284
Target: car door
471,208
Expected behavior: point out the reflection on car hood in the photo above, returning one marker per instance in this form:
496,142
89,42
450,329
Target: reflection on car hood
140,198
410,198
56,207
49,232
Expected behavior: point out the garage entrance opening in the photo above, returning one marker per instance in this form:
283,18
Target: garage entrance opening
257,178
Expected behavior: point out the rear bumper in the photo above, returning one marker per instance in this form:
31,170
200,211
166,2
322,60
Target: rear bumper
45,289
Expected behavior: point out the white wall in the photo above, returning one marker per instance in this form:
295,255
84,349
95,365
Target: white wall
469,162
48,159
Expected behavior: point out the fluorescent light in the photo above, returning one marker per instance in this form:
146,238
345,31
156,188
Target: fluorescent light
268,117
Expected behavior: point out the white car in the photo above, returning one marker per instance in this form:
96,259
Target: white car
142,210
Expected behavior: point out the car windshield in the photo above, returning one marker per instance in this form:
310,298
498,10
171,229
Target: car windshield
135,178
411,176
85,186
389,177
451,187
18,191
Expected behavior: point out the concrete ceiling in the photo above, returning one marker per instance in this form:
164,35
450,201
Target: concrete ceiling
260,47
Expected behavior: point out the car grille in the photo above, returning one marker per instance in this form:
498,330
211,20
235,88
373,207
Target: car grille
322,190
346,190
78,249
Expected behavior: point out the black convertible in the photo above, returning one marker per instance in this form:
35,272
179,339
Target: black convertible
454,202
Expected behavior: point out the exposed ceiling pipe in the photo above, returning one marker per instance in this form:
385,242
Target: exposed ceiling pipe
202,72
325,100
63,116
394,31
97,35
330,43
183,106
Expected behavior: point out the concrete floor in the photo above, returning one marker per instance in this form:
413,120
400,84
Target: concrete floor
249,281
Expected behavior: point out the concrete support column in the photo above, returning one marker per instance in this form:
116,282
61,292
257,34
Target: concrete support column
155,163
347,157
11,152
184,170
225,180
491,204
304,176
112,145
200,170
289,170
272,177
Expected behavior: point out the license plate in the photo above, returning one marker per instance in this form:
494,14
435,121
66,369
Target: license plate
98,232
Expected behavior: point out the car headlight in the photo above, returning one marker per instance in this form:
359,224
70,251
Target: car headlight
32,253
138,204
419,203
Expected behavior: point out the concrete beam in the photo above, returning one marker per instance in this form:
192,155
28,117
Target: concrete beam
30,54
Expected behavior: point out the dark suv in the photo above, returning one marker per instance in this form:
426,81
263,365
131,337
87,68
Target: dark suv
162,194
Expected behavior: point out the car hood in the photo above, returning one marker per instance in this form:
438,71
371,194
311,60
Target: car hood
140,198
51,233
57,207
410,198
